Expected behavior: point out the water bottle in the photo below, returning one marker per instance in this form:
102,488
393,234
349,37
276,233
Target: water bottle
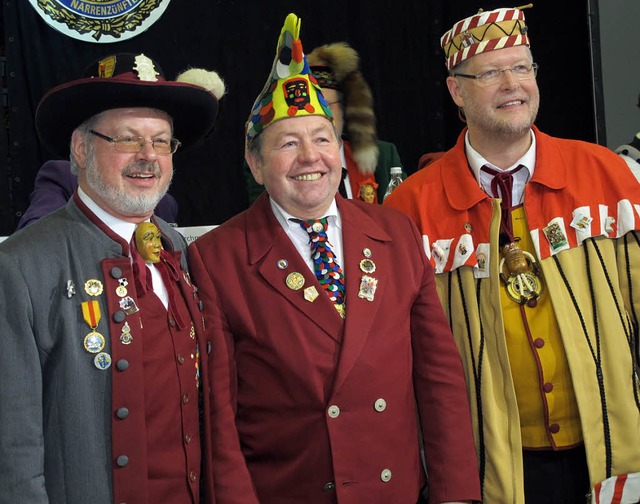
396,180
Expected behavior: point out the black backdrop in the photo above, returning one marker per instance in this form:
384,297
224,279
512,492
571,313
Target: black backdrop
401,58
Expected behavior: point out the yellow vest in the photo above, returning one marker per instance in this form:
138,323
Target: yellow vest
549,416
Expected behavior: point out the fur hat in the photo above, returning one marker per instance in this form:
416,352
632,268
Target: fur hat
121,81
337,66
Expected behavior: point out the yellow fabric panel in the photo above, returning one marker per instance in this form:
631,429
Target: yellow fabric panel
549,416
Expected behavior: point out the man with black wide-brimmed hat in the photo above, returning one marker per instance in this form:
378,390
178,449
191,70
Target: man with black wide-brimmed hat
103,354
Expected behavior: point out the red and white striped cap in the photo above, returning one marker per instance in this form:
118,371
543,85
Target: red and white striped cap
483,32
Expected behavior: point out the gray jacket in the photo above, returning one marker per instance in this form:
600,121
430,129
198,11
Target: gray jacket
55,404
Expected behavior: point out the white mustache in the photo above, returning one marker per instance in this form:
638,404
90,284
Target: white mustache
144,167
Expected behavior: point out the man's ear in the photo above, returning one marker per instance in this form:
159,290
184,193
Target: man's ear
254,165
79,148
454,90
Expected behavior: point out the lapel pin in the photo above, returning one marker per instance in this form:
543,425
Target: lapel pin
93,287
368,286
310,294
295,281
71,289
282,264
367,266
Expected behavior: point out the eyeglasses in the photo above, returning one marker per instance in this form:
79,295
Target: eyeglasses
491,77
133,144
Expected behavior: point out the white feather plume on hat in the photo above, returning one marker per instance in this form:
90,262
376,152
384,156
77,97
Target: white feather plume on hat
206,79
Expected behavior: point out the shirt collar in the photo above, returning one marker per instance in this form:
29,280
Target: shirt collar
286,219
476,161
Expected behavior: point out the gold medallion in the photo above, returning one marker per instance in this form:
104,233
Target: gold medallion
367,266
295,281
93,287
121,291
94,342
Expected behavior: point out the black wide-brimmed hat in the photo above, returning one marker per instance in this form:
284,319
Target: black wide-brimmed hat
124,81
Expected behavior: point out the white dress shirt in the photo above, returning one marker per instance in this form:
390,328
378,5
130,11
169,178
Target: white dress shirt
300,238
520,178
125,230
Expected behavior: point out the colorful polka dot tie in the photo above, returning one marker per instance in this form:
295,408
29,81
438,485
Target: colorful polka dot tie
327,270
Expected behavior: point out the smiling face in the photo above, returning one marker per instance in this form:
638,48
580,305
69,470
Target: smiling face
148,241
299,164
126,185
505,110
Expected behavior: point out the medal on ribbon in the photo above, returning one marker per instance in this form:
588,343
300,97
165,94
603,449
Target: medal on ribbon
94,341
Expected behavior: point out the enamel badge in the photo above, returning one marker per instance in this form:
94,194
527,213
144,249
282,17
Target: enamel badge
310,294
126,338
368,286
102,361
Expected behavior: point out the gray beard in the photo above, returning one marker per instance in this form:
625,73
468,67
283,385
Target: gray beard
119,200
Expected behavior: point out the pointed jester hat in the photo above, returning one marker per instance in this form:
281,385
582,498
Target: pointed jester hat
291,89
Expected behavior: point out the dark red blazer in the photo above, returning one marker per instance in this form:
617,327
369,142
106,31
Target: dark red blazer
307,407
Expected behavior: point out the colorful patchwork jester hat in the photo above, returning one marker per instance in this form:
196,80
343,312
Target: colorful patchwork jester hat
291,89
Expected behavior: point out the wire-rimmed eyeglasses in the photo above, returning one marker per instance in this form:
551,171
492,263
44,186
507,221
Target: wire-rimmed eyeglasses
491,77
134,144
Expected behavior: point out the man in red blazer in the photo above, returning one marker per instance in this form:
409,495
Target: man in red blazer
325,387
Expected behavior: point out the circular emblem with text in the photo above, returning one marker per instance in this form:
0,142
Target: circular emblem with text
100,21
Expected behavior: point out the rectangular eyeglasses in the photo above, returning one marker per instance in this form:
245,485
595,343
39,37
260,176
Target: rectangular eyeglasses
133,144
491,77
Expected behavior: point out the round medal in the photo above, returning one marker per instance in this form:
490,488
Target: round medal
367,266
94,342
295,281
93,287
102,360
